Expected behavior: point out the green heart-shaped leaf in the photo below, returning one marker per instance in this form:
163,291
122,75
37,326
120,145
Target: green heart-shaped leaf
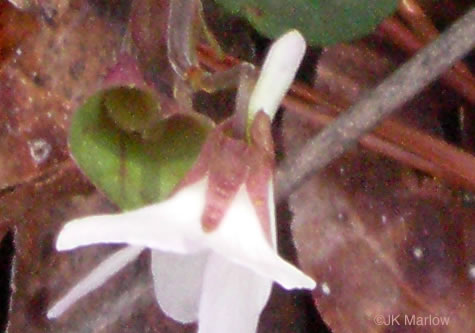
132,109
322,22
131,168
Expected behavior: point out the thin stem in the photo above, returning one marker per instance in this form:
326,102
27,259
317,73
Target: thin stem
181,39
439,165
393,132
208,34
403,84
247,82
403,38
212,82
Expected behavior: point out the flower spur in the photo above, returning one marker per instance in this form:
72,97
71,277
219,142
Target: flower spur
213,241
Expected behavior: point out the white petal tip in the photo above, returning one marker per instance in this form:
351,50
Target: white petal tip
293,39
306,282
52,314
302,281
61,244
84,231
58,309
309,283
66,239
79,233
278,72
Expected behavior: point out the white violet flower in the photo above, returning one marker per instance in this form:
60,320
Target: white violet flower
213,242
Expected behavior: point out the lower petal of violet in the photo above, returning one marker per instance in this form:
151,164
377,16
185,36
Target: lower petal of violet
241,240
178,280
232,298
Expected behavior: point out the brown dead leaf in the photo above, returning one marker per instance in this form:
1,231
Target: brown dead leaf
15,26
50,74
382,241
